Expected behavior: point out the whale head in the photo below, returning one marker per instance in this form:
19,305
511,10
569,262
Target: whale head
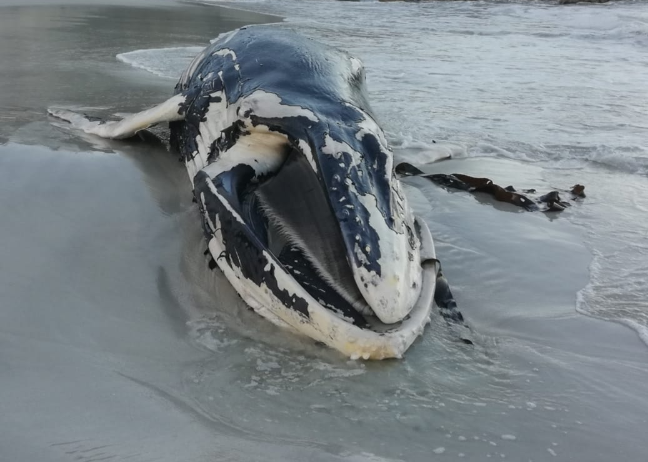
300,194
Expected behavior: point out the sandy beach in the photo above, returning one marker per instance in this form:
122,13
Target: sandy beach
117,342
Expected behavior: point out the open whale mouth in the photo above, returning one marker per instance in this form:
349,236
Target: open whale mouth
287,237
291,214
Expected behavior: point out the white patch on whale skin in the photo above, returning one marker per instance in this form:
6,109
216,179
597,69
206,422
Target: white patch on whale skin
222,200
203,142
212,225
225,52
262,150
308,153
368,126
336,148
269,105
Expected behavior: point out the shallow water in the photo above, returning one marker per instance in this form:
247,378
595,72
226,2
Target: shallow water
117,342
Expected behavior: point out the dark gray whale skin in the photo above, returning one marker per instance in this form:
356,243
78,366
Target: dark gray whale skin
317,78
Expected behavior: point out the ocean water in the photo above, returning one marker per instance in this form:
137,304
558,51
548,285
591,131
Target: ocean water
117,343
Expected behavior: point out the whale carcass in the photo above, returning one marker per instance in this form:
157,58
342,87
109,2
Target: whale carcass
296,188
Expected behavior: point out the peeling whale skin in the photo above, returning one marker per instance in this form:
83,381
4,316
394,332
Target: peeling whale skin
264,117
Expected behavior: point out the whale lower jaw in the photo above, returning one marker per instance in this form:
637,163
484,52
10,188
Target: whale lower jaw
375,341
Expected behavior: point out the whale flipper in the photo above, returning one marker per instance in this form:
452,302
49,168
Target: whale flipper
168,111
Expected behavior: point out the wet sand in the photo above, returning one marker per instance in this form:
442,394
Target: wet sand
117,343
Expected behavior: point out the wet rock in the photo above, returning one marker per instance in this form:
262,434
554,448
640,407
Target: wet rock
578,190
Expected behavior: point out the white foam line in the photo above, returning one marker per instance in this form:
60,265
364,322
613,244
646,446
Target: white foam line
250,9
582,307
137,59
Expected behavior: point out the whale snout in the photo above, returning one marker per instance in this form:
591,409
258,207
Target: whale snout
393,290
375,220
384,255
